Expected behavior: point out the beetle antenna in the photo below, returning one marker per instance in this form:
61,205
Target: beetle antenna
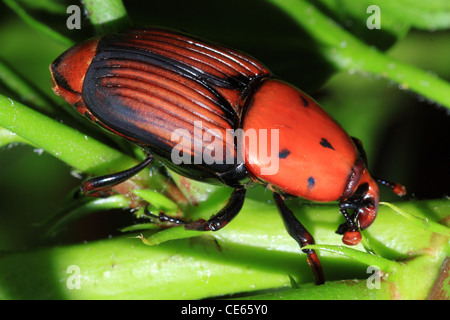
397,188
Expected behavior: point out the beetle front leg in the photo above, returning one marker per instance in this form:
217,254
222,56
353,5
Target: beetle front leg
349,224
297,231
99,186
349,229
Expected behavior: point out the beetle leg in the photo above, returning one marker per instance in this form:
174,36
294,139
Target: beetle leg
349,223
217,222
162,217
98,186
224,216
297,231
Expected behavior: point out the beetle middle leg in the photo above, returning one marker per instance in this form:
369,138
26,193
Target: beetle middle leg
216,222
99,186
297,231
224,216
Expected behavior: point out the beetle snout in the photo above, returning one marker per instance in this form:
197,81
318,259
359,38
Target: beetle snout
366,216
368,212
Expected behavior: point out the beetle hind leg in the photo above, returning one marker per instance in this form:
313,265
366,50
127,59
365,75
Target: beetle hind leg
297,231
397,188
162,217
100,186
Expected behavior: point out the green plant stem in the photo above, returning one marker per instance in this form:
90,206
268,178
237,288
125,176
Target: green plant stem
366,258
422,222
51,6
27,93
348,53
425,15
38,25
66,216
67,144
334,290
107,15
7,137
257,256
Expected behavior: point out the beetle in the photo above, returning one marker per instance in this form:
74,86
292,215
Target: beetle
146,83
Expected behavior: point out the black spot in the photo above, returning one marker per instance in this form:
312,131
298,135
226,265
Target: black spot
324,143
284,154
311,183
304,100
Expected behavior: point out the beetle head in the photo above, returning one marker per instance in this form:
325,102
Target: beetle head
69,69
362,196
367,204
364,203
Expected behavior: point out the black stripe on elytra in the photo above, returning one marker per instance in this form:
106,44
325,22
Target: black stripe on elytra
113,43
60,79
324,143
304,100
284,154
107,49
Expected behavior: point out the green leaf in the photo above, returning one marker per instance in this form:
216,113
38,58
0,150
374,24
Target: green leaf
7,137
397,16
107,15
366,258
36,24
334,290
46,5
254,250
194,191
23,88
77,210
421,222
65,143
175,233
157,200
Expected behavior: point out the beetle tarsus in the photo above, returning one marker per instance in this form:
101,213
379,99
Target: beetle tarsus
162,217
297,231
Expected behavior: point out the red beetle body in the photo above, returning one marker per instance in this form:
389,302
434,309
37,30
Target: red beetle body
312,145
147,83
